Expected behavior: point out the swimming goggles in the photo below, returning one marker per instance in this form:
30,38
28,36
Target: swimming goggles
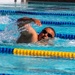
48,34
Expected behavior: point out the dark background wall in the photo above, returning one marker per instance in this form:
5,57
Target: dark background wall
55,0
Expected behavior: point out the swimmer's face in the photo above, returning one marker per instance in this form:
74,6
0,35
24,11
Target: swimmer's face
46,34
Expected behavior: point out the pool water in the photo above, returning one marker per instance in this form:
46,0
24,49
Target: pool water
20,65
25,65
6,24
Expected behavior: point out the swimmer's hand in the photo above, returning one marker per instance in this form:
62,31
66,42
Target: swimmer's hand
36,21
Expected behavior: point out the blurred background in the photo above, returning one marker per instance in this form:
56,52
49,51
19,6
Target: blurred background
8,1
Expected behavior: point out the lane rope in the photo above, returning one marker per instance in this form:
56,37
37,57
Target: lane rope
43,53
36,13
37,53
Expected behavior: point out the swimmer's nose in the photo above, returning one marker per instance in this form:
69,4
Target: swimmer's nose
45,35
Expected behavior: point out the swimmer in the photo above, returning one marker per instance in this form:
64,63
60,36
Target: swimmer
29,35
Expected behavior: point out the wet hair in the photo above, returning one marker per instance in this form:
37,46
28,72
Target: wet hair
50,28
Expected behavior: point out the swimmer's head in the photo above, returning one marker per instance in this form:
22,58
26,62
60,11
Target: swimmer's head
46,33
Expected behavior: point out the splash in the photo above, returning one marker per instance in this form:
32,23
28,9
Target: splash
5,19
64,42
10,32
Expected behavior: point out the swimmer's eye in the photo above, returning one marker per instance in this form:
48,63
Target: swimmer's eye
48,34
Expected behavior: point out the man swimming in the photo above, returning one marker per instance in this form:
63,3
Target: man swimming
29,35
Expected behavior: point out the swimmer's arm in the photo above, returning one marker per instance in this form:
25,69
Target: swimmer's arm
33,33
36,21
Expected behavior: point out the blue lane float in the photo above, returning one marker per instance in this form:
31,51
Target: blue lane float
41,13
36,13
6,74
6,50
57,23
45,13
65,36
